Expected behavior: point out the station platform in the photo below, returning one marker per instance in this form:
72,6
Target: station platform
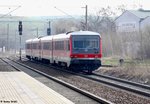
20,88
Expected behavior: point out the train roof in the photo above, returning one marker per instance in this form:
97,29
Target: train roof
67,35
29,40
35,40
63,36
84,33
46,38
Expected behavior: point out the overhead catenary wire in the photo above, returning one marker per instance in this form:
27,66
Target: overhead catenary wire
10,12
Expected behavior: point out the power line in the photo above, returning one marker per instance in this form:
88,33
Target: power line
10,12
64,12
8,5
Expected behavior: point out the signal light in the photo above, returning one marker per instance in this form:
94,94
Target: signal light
20,27
48,31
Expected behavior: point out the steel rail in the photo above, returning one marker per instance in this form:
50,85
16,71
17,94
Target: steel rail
10,64
124,81
134,87
129,86
90,95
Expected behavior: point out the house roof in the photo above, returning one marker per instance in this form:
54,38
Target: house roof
140,13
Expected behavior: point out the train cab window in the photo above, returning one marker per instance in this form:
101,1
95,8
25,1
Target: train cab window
86,44
78,44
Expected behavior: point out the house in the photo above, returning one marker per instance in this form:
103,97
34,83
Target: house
132,20
129,26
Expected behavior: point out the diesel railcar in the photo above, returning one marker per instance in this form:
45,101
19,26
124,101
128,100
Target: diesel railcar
80,50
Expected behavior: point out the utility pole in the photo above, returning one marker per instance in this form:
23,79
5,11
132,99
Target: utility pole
15,42
49,24
7,37
86,14
37,32
86,17
20,33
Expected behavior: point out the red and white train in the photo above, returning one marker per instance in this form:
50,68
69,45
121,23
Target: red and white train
80,50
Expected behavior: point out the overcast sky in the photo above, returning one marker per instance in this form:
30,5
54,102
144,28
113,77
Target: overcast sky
71,7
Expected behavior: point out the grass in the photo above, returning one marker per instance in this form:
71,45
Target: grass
138,70
110,61
127,61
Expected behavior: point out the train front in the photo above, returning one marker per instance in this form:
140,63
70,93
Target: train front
86,51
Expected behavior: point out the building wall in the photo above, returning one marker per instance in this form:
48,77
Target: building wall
127,22
145,23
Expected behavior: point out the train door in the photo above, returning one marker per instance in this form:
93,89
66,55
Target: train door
52,50
40,49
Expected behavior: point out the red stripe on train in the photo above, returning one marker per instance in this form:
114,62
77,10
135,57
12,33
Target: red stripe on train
85,55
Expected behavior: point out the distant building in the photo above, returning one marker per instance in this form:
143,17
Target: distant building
145,23
129,26
132,20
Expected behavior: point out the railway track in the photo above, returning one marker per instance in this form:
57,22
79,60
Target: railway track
10,65
140,89
85,93
6,66
137,88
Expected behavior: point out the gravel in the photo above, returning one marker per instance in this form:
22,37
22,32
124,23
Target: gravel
4,67
112,94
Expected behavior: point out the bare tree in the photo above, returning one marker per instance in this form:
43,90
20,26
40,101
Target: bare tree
101,22
62,26
121,8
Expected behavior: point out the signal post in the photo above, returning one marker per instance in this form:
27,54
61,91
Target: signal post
20,33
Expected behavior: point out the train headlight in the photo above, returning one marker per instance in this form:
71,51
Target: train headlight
73,56
96,56
86,56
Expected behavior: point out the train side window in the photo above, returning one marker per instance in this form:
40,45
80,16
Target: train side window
46,46
39,46
43,45
50,45
29,46
26,46
59,45
67,45
34,45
